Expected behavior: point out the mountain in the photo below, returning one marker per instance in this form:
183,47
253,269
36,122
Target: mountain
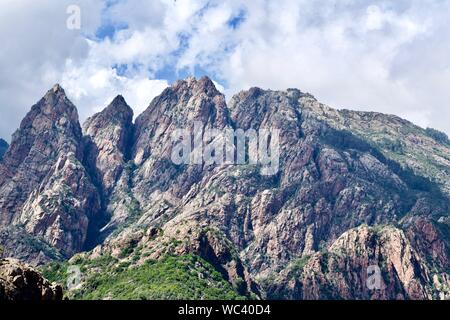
3,148
44,187
354,192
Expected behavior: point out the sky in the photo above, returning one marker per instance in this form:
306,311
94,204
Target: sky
386,56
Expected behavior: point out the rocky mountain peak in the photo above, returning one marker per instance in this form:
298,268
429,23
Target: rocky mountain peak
204,84
179,106
110,133
47,199
55,104
50,125
344,181
57,88
118,111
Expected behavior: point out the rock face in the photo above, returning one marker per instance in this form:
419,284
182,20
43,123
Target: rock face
343,271
111,132
178,107
309,231
17,242
20,282
3,148
109,138
44,186
398,139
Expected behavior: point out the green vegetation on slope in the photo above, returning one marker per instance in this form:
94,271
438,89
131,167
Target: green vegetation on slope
171,277
437,135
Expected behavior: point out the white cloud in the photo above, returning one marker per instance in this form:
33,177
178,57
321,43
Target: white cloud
35,45
370,55
92,87
347,53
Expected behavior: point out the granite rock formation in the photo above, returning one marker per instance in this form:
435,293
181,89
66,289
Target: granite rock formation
21,282
353,190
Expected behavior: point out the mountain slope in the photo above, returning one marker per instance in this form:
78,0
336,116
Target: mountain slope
426,152
340,272
172,277
108,136
365,185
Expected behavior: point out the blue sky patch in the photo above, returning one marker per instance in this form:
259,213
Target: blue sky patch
237,20
108,30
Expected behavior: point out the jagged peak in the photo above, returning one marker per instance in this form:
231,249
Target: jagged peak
118,111
57,88
54,104
118,108
191,83
118,100
57,100
55,91
190,86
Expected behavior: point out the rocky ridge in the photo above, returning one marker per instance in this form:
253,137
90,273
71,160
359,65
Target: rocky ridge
353,189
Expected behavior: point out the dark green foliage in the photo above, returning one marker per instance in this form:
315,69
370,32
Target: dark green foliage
129,168
413,181
395,146
39,245
172,277
3,148
17,236
345,140
128,249
299,264
437,135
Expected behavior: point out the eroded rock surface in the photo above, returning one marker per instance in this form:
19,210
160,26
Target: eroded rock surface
44,186
21,282
351,191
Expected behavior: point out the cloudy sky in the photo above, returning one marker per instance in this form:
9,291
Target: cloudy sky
386,56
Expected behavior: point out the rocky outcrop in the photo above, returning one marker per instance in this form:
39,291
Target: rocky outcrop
3,148
21,282
44,187
178,107
50,128
363,263
61,208
430,239
109,136
110,131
